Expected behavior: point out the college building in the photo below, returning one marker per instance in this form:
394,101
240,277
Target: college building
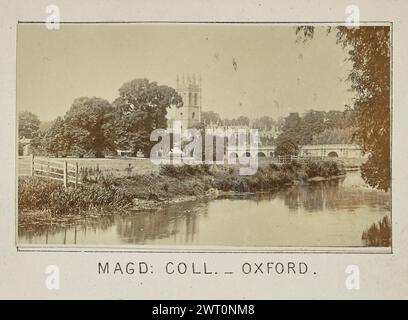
189,88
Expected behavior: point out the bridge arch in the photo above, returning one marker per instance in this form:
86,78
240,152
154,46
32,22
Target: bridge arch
333,154
261,154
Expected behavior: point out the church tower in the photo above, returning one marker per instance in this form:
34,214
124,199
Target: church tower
189,89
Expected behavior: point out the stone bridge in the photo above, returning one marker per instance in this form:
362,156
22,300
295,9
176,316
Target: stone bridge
310,150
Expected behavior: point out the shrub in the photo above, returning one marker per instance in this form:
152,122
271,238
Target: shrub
323,169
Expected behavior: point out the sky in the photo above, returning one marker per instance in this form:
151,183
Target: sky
274,74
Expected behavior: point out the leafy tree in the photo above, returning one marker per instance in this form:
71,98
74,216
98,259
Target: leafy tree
369,51
313,126
340,119
311,123
264,123
55,140
28,125
140,108
335,136
288,141
286,147
88,127
243,121
85,130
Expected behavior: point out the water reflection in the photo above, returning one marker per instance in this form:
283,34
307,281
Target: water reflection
174,222
64,232
332,195
329,213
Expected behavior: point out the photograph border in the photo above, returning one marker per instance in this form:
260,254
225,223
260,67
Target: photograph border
160,249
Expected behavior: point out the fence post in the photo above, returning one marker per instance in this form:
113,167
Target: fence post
76,174
65,174
32,164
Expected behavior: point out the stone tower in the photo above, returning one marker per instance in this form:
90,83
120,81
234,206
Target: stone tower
189,89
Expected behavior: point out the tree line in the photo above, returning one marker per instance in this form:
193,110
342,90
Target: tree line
315,127
95,127
262,123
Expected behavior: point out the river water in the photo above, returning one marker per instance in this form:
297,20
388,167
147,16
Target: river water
329,214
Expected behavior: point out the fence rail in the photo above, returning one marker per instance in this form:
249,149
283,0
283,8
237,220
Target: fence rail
47,168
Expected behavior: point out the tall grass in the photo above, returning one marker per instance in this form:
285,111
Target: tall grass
378,234
43,194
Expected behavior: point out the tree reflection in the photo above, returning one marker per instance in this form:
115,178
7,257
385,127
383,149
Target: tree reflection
331,195
172,222
60,229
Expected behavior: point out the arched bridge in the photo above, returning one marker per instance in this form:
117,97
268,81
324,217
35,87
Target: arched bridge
309,150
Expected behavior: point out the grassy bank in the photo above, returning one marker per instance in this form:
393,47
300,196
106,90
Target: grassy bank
171,184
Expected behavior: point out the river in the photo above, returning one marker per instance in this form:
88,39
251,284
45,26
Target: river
329,214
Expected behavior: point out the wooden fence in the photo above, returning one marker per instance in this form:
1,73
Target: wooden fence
59,170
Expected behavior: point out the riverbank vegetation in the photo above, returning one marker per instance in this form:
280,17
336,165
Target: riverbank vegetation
378,234
171,184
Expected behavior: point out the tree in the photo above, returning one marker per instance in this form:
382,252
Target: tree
28,125
335,136
286,147
88,127
264,123
210,117
311,123
243,121
55,141
369,51
140,108
288,141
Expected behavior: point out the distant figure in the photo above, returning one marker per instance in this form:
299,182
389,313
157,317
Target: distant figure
129,169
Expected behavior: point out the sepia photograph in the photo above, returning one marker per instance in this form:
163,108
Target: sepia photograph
204,135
